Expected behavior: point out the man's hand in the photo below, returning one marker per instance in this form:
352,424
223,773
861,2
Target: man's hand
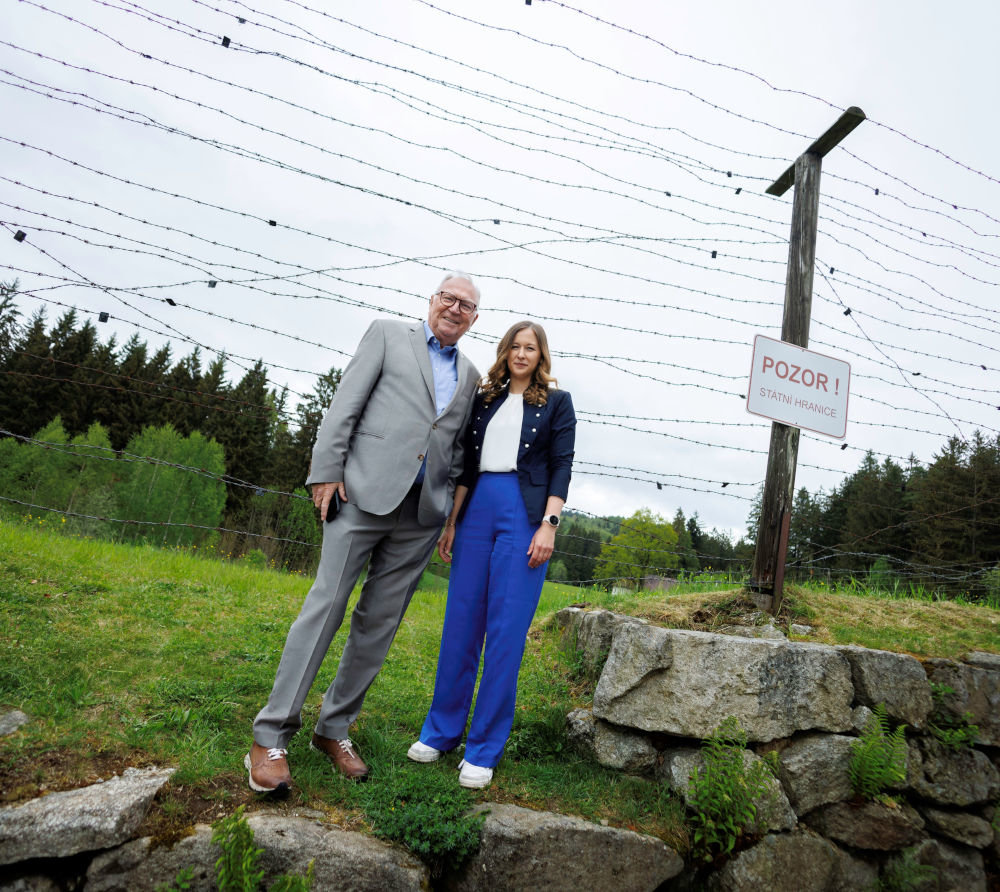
542,544
322,493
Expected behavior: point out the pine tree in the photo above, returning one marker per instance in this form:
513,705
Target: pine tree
27,395
71,348
9,321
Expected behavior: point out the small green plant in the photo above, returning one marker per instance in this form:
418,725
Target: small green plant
182,881
904,873
954,733
724,795
236,870
426,812
293,882
878,756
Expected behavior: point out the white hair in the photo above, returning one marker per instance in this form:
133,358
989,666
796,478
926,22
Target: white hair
457,274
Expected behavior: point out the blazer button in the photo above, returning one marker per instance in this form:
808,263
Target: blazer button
434,427
420,457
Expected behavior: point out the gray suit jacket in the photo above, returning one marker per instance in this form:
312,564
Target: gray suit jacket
383,421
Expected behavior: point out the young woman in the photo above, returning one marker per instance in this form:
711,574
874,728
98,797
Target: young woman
518,459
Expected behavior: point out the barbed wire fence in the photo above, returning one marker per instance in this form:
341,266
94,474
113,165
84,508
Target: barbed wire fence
646,248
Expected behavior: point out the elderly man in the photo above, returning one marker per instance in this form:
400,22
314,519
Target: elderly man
383,475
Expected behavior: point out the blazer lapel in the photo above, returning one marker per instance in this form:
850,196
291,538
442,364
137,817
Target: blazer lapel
418,342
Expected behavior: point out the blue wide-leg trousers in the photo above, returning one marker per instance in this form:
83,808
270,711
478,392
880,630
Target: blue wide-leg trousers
492,595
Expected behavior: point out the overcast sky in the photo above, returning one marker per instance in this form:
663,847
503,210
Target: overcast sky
583,171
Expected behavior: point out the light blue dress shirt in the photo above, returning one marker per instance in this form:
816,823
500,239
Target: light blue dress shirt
444,366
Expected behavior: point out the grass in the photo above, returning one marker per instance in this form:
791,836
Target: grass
131,655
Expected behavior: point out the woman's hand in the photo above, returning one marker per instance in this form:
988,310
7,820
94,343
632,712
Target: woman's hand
445,542
542,544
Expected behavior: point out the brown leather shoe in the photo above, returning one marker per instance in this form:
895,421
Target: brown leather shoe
268,769
343,756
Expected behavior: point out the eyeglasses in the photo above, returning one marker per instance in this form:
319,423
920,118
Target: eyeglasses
449,299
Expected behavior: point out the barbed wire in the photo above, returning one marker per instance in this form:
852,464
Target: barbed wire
628,360
155,523
792,91
950,359
922,280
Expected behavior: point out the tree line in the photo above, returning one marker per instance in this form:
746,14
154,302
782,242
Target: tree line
63,384
105,409
936,525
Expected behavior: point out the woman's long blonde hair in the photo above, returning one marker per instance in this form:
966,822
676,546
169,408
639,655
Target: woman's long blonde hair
495,382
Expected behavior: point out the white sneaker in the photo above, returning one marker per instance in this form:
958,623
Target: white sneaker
473,776
421,752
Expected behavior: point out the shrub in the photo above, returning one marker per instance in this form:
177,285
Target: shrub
723,796
255,558
878,756
426,812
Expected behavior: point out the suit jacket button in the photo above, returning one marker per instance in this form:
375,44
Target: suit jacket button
420,457
434,427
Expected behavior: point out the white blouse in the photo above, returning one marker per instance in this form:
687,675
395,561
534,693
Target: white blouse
503,437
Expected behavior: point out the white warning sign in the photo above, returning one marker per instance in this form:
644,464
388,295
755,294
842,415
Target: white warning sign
799,387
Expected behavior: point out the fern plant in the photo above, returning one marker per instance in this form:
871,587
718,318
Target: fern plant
724,794
878,756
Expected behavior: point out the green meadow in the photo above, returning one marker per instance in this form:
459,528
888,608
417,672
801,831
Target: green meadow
133,655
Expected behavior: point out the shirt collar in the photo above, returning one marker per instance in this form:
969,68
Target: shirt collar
435,344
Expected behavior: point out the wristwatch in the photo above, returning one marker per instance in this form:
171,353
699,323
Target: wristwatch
552,520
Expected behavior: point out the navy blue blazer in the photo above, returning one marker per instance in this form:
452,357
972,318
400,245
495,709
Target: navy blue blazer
544,455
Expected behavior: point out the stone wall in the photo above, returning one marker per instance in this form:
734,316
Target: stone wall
660,692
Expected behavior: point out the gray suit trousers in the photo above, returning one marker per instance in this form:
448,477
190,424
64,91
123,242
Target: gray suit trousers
399,547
